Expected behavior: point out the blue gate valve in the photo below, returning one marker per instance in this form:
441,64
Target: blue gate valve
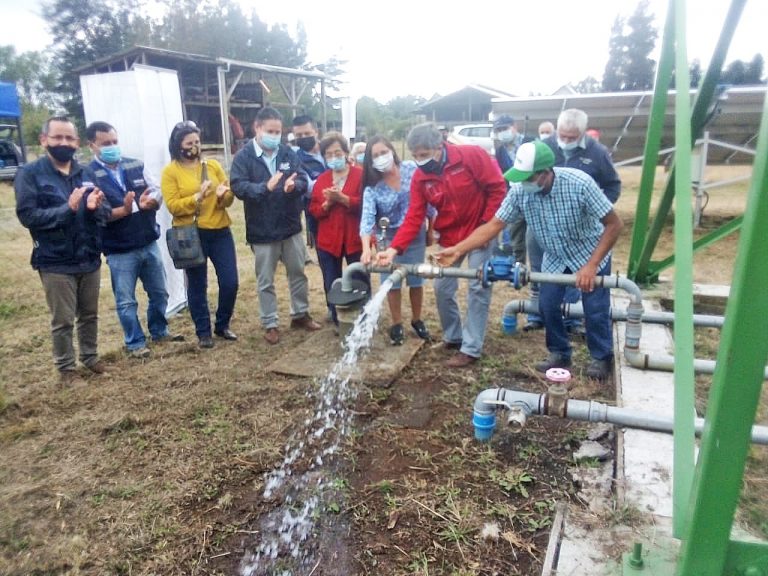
504,268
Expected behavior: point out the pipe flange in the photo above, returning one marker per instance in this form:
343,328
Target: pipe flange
358,295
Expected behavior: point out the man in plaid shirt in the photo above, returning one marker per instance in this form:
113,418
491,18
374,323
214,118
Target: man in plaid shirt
577,227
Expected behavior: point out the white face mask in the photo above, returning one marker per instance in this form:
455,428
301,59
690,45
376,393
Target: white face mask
384,162
567,146
544,135
506,136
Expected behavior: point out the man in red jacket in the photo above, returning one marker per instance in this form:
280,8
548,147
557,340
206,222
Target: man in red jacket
466,187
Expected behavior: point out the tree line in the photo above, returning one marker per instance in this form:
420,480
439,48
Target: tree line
87,30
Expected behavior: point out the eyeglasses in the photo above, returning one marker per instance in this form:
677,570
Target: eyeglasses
185,124
337,154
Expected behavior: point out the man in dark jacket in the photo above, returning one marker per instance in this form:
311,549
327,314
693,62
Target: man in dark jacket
57,200
129,240
508,140
267,176
306,139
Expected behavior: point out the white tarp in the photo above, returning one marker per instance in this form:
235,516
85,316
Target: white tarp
348,117
143,105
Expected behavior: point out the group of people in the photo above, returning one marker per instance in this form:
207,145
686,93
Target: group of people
453,194
562,189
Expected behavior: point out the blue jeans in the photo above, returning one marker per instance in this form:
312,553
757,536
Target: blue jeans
125,269
597,318
571,295
219,246
331,267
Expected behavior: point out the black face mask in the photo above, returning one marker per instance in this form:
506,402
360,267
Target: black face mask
62,153
306,143
191,153
432,167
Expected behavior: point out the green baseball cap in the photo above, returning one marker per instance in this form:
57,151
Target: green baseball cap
531,157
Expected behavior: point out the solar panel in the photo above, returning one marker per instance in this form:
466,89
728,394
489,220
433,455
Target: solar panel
622,118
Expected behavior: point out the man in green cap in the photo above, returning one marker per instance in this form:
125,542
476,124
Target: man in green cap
577,227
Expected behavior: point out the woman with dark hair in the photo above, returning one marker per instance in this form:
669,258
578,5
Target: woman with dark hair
386,193
335,204
198,189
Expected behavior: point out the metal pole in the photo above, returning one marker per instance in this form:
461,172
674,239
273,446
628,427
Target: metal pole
733,400
652,146
221,74
684,375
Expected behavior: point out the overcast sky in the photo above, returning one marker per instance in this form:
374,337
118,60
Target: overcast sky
422,47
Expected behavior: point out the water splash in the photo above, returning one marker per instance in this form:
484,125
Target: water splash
300,484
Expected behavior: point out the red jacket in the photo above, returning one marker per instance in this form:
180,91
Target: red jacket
466,194
338,229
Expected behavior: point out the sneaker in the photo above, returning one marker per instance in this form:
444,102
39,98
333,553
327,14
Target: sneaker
554,360
98,367
460,360
226,334
205,342
599,369
139,353
272,335
421,330
532,325
396,335
305,322
169,338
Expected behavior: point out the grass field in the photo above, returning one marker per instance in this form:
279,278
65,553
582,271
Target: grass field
158,468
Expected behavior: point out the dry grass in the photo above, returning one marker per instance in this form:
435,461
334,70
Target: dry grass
157,468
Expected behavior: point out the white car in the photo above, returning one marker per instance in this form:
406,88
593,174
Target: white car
478,134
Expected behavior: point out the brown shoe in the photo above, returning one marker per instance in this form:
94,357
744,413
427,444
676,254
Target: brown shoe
272,335
98,367
305,322
448,346
460,360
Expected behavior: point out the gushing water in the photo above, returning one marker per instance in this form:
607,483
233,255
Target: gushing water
299,483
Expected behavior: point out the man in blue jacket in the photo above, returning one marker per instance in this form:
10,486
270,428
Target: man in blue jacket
267,176
129,240
59,203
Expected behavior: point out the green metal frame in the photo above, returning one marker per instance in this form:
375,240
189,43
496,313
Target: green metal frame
684,430
644,238
736,385
705,497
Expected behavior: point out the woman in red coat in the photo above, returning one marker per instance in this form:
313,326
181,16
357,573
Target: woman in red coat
336,200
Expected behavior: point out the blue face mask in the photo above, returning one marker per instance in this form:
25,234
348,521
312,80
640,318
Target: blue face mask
110,154
360,158
336,164
270,141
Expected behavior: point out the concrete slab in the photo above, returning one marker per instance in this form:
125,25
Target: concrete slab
644,460
379,366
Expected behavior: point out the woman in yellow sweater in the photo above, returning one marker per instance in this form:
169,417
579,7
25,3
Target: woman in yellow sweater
193,186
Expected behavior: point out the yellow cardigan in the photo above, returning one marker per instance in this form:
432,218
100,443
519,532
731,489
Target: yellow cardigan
180,183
